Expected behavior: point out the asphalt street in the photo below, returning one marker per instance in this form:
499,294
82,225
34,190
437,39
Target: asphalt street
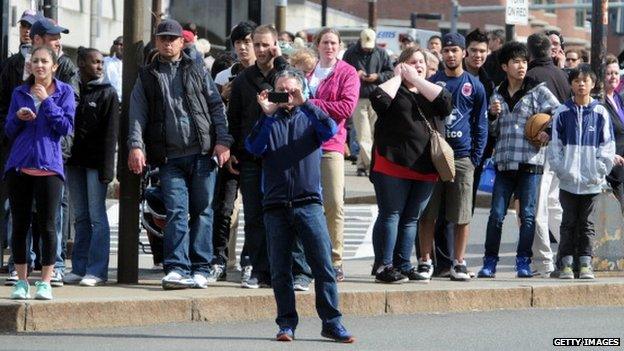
520,330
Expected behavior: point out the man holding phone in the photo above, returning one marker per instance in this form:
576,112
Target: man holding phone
243,113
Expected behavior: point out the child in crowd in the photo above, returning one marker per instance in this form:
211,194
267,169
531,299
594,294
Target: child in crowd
581,154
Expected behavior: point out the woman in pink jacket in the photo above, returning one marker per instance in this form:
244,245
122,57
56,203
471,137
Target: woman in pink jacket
335,88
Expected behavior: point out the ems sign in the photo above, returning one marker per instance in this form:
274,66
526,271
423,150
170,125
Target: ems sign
517,12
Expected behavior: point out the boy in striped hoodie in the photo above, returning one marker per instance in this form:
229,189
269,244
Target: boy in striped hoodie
581,153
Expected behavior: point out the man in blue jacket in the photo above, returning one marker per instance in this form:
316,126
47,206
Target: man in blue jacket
288,137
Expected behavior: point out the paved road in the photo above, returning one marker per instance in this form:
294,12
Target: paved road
501,330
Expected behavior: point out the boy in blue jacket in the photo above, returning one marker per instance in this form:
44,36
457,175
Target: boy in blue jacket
581,154
288,137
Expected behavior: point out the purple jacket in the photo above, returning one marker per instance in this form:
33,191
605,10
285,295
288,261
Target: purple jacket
36,144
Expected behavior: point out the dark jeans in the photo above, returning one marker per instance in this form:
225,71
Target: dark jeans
46,192
525,186
401,202
308,223
225,196
577,223
188,186
255,251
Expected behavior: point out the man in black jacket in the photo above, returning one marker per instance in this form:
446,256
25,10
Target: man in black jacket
373,67
177,121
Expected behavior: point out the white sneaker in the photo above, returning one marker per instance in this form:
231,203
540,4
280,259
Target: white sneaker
424,271
12,279
91,280
174,280
200,281
57,279
72,278
459,271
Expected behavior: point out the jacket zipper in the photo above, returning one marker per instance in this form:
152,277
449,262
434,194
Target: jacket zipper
580,121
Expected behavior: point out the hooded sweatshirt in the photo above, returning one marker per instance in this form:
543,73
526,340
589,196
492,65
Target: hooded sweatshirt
582,148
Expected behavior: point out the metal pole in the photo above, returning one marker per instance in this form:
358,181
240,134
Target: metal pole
128,257
454,16
94,20
599,42
323,13
510,32
50,9
156,16
228,17
280,15
372,14
254,11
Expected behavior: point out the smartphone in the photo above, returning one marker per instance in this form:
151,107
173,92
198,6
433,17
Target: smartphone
231,78
278,97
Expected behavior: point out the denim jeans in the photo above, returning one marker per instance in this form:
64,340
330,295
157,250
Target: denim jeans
400,202
255,251
62,217
92,239
188,186
525,186
308,223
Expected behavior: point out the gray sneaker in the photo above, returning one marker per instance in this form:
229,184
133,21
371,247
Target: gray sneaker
301,284
566,272
246,277
586,272
174,280
216,273
57,279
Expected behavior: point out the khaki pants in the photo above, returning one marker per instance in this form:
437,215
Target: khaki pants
332,181
364,120
231,264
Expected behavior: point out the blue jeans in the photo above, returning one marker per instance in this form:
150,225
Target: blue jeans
525,186
92,238
400,202
188,187
308,223
61,240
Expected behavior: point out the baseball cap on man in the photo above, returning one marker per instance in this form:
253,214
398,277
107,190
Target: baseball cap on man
454,39
169,27
367,38
45,26
29,17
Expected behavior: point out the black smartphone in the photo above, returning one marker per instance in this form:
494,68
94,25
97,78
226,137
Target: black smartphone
278,97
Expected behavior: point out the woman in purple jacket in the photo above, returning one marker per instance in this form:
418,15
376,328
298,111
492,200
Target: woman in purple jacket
40,114
335,88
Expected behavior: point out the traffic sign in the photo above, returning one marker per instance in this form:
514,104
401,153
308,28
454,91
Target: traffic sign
517,12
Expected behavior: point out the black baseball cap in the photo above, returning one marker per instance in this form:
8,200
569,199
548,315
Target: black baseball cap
169,27
454,39
45,26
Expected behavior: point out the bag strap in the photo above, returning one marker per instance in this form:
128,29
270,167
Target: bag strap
420,111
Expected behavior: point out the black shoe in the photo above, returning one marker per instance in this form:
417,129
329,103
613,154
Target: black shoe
410,274
361,172
390,276
375,268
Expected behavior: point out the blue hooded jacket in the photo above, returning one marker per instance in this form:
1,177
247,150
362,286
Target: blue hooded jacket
290,144
37,143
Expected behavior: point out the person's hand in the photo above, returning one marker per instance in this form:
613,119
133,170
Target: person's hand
222,153
398,70
296,97
362,75
136,161
267,107
560,58
371,78
230,165
275,50
543,137
409,73
618,160
25,114
496,107
39,91
226,91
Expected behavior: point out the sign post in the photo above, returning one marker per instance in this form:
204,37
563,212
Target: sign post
516,12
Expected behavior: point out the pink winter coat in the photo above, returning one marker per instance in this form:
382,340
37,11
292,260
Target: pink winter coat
338,95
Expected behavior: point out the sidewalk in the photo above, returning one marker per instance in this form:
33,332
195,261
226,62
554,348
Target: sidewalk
146,303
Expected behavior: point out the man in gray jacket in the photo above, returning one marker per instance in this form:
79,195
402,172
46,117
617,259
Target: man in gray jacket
177,120
373,67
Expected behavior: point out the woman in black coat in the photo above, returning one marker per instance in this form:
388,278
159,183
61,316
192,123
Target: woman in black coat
615,105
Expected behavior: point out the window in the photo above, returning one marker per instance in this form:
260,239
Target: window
550,2
579,16
538,2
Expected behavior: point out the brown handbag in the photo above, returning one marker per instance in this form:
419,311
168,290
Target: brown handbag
442,155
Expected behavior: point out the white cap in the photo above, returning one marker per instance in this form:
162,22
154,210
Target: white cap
367,38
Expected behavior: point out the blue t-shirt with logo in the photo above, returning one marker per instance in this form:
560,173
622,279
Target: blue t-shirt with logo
466,126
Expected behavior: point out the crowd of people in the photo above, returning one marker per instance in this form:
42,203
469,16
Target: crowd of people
272,124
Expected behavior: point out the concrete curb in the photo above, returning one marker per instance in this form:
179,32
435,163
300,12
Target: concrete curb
36,316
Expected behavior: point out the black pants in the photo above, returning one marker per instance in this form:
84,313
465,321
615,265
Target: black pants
47,192
225,196
577,223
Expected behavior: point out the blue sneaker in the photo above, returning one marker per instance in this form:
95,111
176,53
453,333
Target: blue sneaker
489,267
523,267
285,334
21,290
44,291
339,334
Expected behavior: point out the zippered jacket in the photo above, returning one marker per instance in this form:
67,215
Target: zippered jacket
290,146
582,149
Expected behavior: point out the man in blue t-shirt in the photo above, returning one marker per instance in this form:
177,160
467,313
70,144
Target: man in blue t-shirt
466,132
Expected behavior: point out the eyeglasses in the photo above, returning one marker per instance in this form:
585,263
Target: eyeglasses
572,59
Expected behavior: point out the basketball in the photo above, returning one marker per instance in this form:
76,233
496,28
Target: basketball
534,125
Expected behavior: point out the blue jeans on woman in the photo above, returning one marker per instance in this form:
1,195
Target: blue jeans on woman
92,238
400,202
283,226
525,186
